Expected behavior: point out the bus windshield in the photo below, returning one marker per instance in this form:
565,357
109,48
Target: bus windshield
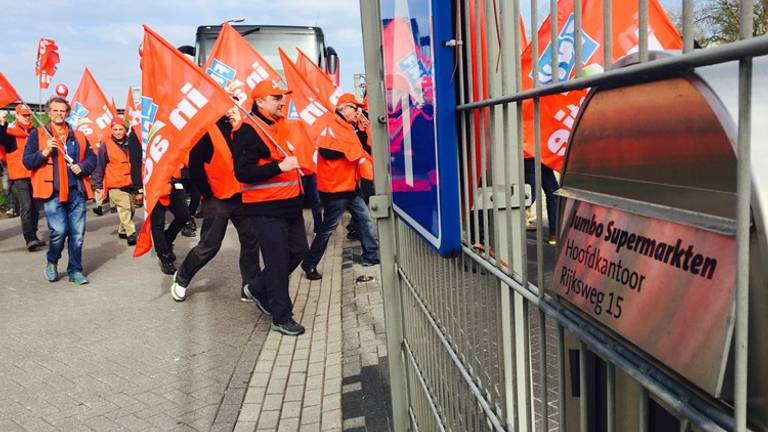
267,43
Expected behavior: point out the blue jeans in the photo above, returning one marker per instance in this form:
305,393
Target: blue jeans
332,211
66,220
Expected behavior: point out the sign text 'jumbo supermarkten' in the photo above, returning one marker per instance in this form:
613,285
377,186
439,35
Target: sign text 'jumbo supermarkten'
666,287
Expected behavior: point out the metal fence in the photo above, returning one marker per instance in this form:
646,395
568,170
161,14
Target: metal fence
475,342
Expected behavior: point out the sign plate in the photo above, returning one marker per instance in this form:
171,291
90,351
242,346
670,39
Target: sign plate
421,118
667,288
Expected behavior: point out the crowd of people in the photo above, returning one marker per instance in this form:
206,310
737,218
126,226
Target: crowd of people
239,171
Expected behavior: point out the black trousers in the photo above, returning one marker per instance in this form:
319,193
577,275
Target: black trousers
283,246
161,237
29,211
216,216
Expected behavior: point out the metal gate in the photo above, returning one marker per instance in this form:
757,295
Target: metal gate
475,341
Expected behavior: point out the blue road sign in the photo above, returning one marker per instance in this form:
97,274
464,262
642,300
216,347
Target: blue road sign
421,119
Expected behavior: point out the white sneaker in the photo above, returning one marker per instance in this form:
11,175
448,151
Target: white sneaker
178,292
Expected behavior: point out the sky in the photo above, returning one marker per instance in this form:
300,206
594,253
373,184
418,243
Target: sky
104,35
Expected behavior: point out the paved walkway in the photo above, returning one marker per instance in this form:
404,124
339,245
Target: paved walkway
119,354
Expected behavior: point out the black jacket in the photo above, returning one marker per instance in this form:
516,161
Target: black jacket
202,153
247,149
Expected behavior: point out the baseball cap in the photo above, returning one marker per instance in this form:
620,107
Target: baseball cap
116,120
348,98
267,88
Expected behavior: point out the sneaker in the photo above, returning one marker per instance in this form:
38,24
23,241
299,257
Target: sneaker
98,210
290,327
248,296
313,274
552,239
34,245
51,273
245,299
131,239
178,292
371,263
78,278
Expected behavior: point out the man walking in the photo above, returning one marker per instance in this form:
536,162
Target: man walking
211,170
13,137
61,160
340,163
118,176
271,194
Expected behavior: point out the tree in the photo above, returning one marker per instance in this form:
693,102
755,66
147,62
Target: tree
718,21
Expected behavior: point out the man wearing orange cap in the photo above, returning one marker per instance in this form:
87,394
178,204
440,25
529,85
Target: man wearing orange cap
12,138
118,175
341,162
272,195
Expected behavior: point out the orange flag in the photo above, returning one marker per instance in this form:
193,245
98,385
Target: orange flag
558,112
7,92
47,61
317,79
178,103
91,112
305,103
133,114
236,66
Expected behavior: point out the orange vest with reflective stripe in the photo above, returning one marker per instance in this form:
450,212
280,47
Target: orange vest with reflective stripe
16,168
221,169
283,186
117,173
42,177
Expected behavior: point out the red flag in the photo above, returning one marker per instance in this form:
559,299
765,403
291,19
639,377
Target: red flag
317,79
558,112
7,92
91,112
47,59
133,114
235,65
178,103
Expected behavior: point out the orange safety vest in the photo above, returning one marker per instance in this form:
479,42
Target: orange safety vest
283,186
117,173
42,177
221,169
16,168
336,175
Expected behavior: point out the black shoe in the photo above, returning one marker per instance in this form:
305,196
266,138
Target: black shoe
290,327
166,265
113,209
192,224
313,274
188,231
370,263
33,245
247,296
98,210
122,236
131,239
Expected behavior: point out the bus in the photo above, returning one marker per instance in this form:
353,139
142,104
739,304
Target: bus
267,39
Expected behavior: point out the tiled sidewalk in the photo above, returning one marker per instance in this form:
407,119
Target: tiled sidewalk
297,381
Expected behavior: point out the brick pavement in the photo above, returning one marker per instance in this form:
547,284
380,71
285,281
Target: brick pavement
119,354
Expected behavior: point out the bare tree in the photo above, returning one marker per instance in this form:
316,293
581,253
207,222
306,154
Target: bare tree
717,22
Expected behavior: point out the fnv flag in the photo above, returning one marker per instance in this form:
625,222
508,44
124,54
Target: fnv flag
558,112
237,67
317,79
178,103
7,92
133,114
91,112
47,61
